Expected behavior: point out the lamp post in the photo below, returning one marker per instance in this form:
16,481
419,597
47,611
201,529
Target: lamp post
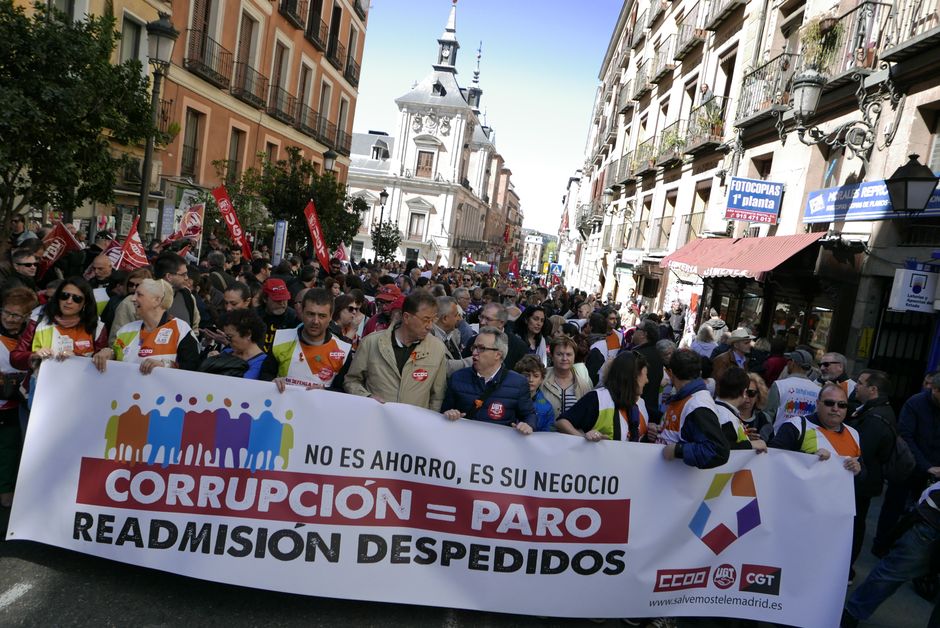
160,39
383,196
911,187
329,160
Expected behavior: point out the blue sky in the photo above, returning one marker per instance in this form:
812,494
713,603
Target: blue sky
538,73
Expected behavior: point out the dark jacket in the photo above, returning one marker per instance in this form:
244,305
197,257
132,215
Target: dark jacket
703,444
919,425
654,371
595,359
508,401
874,421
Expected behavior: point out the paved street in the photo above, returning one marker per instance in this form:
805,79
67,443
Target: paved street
41,585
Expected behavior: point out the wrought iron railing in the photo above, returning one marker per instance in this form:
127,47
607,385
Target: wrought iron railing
691,32
852,43
766,87
691,227
663,62
912,19
336,54
343,142
610,176
625,99
307,120
294,11
163,119
672,142
626,167
639,30
249,86
659,234
326,132
352,72
638,235
317,32
656,9
706,124
646,156
718,10
641,82
282,105
206,58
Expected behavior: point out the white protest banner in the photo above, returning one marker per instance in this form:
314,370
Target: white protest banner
319,493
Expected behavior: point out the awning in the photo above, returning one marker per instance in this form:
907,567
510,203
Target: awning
740,257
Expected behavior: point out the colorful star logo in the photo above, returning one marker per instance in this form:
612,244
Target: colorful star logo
741,502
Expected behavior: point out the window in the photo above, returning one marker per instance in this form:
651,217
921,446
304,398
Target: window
245,53
235,145
189,165
353,42
355,252
341,119
130,40
279,71
380,150
326,94
65,6
933,162
416,226
305,85
425,166
438,89
270,150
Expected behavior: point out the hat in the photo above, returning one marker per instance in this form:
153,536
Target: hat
740,334
389,292
801,357
276,290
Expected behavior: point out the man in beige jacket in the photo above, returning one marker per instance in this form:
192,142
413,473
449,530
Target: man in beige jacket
404,363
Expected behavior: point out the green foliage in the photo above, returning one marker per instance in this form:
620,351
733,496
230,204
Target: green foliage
550,253
280,191
821,38
385,240
60,95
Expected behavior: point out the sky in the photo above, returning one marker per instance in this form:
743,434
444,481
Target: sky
538,73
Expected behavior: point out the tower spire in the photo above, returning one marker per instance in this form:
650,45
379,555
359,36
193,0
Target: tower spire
476,73
474,93
447,44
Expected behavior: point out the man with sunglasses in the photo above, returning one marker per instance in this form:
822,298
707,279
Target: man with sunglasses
824,432
18,231
794,395
25,265
832,369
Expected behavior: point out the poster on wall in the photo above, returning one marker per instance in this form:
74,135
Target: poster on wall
913,291
754,200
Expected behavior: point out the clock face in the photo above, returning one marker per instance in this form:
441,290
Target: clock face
445,52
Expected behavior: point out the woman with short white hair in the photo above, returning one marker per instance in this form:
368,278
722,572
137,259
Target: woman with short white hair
156,338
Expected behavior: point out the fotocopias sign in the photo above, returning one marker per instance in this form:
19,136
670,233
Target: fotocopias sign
754,200
320,493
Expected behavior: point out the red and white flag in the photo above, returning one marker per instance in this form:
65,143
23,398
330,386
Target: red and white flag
316,235
57,243
190,225
133,254
514,265
235,230
340,252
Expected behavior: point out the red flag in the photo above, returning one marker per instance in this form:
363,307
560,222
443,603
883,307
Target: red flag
340,252
231,221
183,252
470,258
316,235
57,243
514,266
133,254
506,234
113,251
190,225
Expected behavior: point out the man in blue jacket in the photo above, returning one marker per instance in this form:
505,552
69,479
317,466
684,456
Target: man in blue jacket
488,391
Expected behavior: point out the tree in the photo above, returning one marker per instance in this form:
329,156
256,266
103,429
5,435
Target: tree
385,240
549,255
62,101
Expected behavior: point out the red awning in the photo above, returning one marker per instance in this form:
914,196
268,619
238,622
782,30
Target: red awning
741,257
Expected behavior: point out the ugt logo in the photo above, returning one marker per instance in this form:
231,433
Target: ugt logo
728,511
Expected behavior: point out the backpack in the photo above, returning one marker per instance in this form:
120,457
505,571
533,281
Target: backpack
901,462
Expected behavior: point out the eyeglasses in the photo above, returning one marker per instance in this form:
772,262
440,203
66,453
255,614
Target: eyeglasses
27,264
13,315
76,298
750,392
829,403
352,309
826,364
479,349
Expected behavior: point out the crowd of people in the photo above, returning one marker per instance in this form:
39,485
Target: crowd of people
478,347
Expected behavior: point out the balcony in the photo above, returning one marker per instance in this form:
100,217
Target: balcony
706,130
672,143
645,157
849,47
293,11
639,31
638,235
610,131
625,99
250,86
641,82
610,176
657,8
765,89
206,58
189,164
307,120
359,9
719,10
326,133
281,105
343,143
691,227
691,33
914,28
663,64
597,212
317,33
336,54
626,168
659,234
352,72
163,122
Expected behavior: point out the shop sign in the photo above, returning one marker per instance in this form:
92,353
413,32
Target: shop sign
754,200
913,291
857,202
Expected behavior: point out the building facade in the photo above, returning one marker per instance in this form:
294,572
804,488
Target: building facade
532,252
449,192
696,96
246,79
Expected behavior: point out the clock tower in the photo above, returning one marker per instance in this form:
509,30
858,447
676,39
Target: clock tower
447,45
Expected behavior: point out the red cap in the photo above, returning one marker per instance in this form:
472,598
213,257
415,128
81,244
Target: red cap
388,292
276,290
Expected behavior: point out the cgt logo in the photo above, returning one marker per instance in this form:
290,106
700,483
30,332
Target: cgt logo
679,579
760,579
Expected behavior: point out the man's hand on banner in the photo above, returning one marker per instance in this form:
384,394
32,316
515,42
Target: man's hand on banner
147,366
594,436
853,465
758,445
823,454
523,428
453,415
100,359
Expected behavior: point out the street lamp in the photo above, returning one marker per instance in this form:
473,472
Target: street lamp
329,160
608,196
160,39
383,196
910,187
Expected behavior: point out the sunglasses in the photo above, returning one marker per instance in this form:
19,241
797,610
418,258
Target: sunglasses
750,392
75,298
826,364
28,264
829,403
